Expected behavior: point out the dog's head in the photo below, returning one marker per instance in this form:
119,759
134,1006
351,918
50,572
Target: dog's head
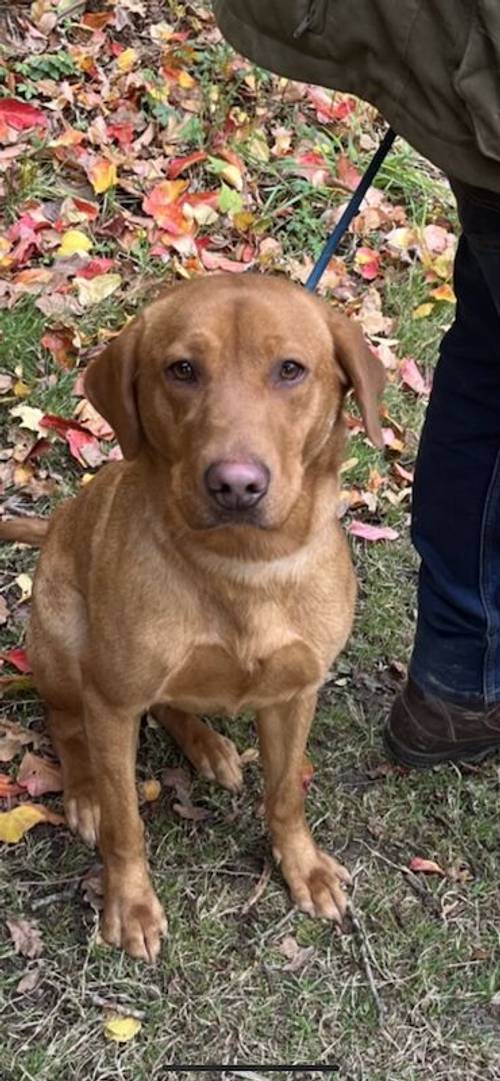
233,387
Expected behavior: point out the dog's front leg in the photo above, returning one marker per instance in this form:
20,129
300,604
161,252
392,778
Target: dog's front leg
133,917
314,878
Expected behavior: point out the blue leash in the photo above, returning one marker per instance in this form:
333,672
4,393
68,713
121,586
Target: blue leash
350,211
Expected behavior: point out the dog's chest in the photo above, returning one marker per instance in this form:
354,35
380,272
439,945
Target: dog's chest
257,667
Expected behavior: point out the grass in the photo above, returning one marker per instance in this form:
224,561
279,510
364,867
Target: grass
223,992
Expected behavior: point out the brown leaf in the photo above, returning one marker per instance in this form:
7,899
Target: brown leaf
14,736
188,810
180,780
25,936
29,980
297,955
39,775
4,611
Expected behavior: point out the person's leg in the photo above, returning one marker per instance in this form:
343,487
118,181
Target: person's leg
448,709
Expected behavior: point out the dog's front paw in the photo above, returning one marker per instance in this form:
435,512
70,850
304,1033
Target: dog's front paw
315,880
216,758
83,812
134,920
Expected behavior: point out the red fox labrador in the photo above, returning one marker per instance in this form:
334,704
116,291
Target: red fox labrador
204,573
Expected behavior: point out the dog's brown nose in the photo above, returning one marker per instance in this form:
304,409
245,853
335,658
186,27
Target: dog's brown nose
237,485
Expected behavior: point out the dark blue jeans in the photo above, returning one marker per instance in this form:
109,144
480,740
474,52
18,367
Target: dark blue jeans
456,509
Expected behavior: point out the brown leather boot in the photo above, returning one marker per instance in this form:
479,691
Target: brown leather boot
423,731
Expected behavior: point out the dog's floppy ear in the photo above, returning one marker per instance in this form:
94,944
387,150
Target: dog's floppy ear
109,383
363,372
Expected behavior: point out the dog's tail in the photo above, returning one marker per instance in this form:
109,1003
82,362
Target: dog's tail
24,530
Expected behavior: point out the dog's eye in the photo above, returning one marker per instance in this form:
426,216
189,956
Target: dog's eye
291,371
183,371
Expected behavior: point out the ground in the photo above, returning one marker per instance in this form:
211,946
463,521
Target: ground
123,95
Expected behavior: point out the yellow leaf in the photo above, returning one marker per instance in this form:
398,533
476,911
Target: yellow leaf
150,790
102,175
232,174
186,81
74,242
243,220
5,246
126,60
444,292
93,290
422,311
25,584
21,389
14,824
120,1028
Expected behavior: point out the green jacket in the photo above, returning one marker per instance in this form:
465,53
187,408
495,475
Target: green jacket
432,67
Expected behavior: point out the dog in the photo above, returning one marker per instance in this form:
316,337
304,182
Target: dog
204,573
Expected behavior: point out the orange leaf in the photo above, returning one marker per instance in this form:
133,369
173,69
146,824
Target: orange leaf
161,199
8,787
102,175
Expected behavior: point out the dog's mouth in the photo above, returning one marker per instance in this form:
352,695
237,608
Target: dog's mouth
236,519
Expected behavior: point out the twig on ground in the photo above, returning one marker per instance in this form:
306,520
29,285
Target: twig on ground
117,1007
257,892
64,894
365,959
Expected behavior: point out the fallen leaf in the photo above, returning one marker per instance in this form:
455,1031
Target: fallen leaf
39,775
444,292
427,867
102,175
21,115
14,736
121,1029
177,778
435,238
25,936
459,872
150,790
161,199
422,311
17,656
126,60
96,289
367,263
15,823
25,583
29,417
176,166
60,344
90,419
83,445
347,172
213,260
297,955
74,242
412,377
4,611
368,532
9,788
191,812
29,980
250,755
